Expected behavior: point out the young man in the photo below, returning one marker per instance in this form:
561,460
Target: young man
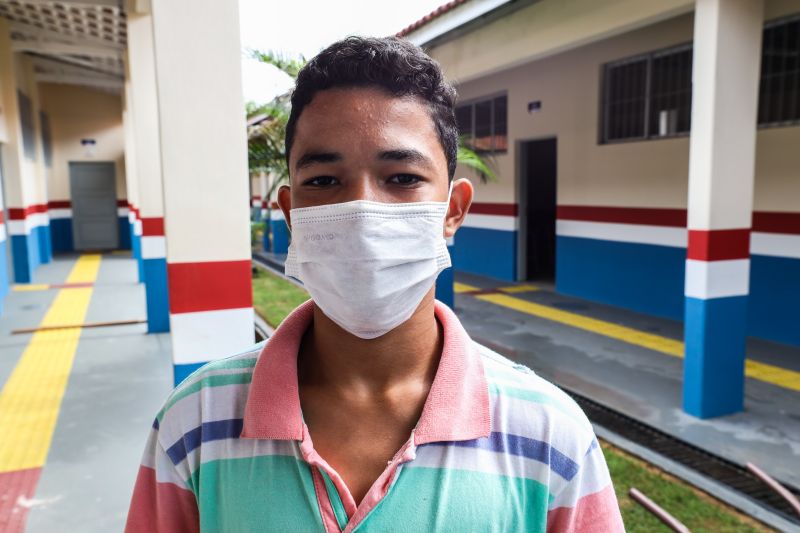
370,409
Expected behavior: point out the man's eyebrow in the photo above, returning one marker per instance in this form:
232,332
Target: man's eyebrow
406,154
312,158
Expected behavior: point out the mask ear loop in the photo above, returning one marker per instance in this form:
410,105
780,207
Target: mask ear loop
449,240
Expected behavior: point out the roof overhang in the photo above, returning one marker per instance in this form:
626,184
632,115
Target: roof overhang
452,19
78,42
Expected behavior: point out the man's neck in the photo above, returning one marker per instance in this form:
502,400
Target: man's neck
334,359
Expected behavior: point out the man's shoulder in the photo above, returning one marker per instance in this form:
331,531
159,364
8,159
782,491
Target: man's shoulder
532,405
215,392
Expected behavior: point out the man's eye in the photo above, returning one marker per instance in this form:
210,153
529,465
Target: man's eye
321,181
405,179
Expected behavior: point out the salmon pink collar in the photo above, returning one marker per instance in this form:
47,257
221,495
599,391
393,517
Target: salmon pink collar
457,407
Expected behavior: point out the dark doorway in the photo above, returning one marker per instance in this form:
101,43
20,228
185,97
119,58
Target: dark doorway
539,173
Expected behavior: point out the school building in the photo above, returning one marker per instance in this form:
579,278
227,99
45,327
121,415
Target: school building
648,158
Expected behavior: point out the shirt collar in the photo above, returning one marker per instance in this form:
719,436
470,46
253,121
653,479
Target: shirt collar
457,407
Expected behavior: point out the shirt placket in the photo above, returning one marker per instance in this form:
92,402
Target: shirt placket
355,514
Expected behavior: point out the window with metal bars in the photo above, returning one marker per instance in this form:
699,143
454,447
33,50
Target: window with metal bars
26,123
47,143
484,123
779,90
648,96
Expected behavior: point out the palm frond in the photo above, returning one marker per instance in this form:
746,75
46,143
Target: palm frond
288,65
479,161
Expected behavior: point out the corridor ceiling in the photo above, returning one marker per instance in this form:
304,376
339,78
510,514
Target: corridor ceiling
79,42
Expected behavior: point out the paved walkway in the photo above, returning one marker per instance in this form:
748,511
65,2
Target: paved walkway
76,404
633,363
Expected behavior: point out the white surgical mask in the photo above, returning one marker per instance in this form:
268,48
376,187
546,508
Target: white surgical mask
367,265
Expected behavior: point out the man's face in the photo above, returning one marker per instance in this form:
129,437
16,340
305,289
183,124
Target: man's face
365,144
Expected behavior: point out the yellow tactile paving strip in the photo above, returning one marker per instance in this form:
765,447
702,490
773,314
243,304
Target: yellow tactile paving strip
774,375
31,398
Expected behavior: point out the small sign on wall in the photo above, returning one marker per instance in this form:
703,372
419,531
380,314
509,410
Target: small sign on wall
88,147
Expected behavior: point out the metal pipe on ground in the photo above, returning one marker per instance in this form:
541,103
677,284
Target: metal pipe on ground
776,486
670,521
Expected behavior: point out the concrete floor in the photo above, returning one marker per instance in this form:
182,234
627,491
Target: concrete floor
120,377
638,382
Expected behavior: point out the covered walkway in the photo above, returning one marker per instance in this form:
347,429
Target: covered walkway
633,363
75,404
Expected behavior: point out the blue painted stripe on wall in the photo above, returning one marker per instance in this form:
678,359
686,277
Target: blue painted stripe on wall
156,295
45,244
136,247
713,368
641,277
124,233
61,235
486,252
5,277
444,288
181,372
25,250
280,236
774,304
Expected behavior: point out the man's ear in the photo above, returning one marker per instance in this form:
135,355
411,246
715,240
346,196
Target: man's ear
285,203
460,200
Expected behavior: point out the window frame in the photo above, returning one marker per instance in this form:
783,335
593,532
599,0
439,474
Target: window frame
481,99
788,19
603,126
605,102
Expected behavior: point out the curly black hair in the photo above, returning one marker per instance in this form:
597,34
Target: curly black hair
389,63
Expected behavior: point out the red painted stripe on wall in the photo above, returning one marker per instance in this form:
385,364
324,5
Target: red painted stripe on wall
59,204
487,208
718,245
21,213
152,226
122,202
624,215
776,222
209,286
13,486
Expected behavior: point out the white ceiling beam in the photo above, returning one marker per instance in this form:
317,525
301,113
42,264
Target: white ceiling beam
52,66
50,47
87,81
88,64
50,35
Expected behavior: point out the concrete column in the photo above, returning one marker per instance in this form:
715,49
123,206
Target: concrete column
144,100
206,191
131,173
19,168
263,189
727,53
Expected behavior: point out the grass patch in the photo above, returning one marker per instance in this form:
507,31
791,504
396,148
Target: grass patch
274,297
696,509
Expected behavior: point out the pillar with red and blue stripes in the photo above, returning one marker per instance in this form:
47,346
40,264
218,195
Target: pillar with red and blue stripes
205,181
727,45
154,265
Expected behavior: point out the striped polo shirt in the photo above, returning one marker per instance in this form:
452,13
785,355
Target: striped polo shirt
497,448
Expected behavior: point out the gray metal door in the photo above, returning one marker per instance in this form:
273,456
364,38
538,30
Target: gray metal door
94,206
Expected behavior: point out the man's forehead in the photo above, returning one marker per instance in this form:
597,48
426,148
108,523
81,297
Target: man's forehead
330,103
335,116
